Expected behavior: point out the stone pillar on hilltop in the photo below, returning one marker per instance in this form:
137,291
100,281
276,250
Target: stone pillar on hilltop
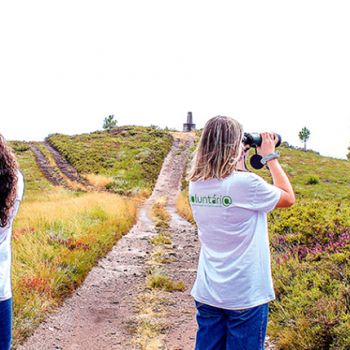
189,126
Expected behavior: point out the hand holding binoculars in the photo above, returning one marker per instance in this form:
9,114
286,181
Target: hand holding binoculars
255,140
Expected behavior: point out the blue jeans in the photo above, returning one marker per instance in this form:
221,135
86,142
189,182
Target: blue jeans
5,324
222,329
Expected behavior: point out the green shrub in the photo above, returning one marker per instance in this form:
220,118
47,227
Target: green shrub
133,155
19,146
312,305
313,180
310,221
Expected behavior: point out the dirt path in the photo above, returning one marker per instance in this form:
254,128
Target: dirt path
50,172
97,316
64,166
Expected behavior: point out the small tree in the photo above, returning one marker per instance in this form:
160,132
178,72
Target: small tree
348,155
109,122
304,135
155,127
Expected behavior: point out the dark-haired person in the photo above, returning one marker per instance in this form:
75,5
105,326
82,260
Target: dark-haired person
229,204
11,193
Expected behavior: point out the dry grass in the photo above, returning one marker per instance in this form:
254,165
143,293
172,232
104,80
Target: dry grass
183,135
161,238
99,181
183,207
159,214
164,282
161,201
156,257
74,185
150,323
63,206
57,240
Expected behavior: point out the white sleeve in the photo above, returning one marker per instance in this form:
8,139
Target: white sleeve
266,196
20,192
20,186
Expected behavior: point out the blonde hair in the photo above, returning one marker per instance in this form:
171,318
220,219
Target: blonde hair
218,150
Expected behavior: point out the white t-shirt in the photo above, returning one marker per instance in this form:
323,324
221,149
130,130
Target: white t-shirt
234,270
5,245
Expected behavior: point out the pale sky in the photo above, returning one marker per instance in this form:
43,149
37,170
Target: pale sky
272,65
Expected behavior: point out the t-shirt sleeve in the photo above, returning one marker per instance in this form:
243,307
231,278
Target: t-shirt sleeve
20,186
265,196
19,195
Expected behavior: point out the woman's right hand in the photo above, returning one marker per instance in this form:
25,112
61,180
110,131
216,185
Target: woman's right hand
279,177
268,143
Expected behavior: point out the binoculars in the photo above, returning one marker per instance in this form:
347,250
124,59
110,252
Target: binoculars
254,139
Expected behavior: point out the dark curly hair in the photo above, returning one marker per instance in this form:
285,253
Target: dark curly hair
8,181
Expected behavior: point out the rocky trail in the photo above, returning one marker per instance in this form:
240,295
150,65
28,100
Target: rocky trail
109,309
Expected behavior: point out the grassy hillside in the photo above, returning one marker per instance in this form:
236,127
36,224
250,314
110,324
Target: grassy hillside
315,176
59,234
310,246
130,156
35,182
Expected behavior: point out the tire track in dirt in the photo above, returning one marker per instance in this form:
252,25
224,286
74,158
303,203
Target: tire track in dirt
48,165
50,172
97,316
65,167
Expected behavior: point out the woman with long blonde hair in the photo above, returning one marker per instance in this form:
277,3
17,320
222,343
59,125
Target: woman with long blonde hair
230,204
11,192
